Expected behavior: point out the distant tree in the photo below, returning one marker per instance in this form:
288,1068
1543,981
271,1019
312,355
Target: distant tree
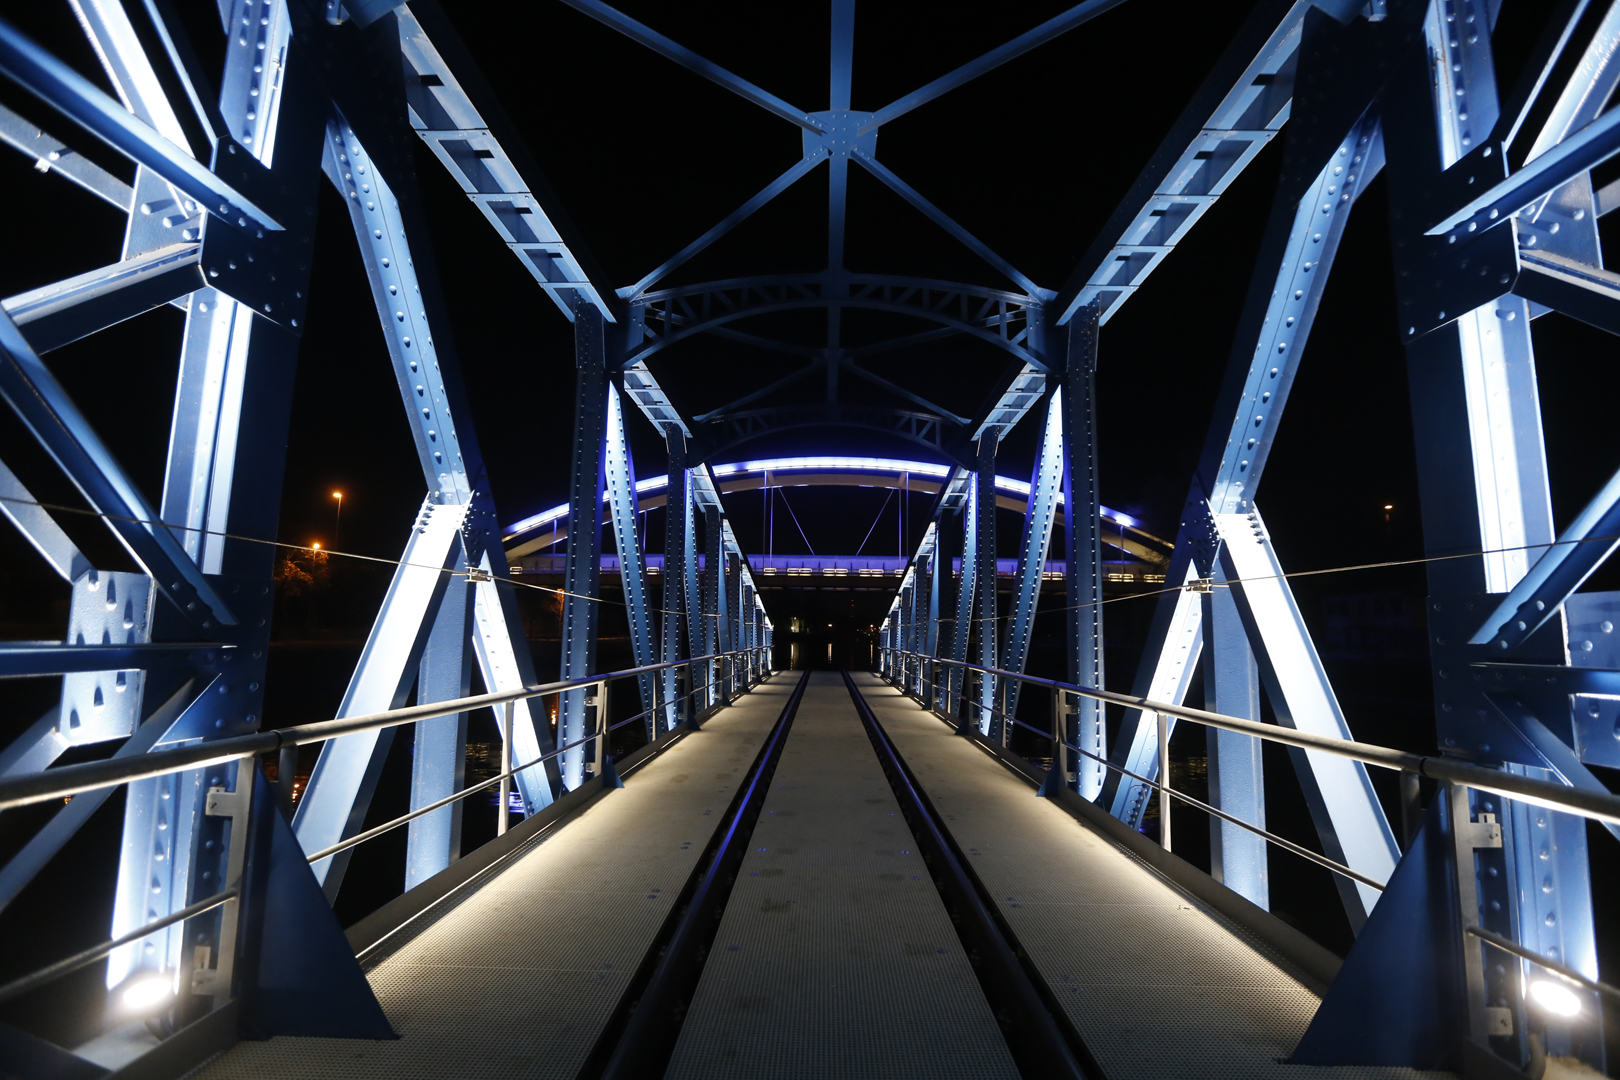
302,572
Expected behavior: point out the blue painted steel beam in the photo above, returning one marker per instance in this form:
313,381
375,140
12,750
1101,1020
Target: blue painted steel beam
1582,151
1539,596
1285,290
1083,566
65,90
439,746
765,194
27,658
996,316
43,405
962,613
715,629
677,531
581,581
619,470
1045,487
841,70
894,388
690,60
946,222
991,60
748,399
1237,779
986,607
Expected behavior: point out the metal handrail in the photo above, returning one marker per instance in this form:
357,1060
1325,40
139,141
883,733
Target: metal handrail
90,776
1596,806
1164,788
51,972
404,819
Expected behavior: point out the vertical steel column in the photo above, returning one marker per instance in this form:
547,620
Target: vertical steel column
1237,857
717,631
620,472
1285,290
1045,484
225,469
956,678
439,754
1082,505
583,572
677,528
984,571
938,567
1482,476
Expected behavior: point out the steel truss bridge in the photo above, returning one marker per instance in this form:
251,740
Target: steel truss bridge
670,910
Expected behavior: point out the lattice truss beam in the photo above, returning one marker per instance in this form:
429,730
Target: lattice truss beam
1495,224
220,224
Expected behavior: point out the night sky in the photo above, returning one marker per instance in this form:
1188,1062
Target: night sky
645,156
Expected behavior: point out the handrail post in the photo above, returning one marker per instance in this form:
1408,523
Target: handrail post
1060,742
1164,781
1006,721
238,807
601,725
506,768
286,770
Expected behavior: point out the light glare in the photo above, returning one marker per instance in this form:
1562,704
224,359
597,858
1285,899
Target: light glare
148,992
816,463
1556,998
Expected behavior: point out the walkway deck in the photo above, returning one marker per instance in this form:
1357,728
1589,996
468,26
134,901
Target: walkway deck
1158,986
518,979
835,956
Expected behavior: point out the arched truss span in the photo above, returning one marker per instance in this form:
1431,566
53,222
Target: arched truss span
726,433
550,527
1003,319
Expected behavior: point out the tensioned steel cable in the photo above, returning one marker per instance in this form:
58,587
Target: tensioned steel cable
1317,573
795,518
875,521
58,508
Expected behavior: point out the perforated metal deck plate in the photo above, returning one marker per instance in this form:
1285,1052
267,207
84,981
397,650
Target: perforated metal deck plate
518,978
835,957
1159,986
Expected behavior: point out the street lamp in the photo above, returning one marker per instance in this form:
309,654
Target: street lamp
338,521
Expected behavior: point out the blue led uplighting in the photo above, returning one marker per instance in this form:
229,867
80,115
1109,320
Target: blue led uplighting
898,467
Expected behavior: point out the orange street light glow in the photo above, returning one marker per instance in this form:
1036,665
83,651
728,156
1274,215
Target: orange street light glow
1389,506
316,545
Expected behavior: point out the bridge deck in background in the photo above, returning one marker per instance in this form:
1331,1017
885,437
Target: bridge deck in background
1159,986
520,976
836,956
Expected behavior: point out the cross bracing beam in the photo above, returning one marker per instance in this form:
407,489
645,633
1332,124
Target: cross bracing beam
456,115
1285,291
51,155
65,311
78,99
690,60
1242,105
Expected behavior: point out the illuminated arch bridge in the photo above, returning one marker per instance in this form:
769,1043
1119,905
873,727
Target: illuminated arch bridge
528,540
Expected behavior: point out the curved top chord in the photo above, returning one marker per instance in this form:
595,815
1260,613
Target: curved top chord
659,319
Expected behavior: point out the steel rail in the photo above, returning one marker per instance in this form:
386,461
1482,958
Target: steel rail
90,776
389,826
1511,946
68,965
1282,842
1039,1035
1596,806
639,1039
